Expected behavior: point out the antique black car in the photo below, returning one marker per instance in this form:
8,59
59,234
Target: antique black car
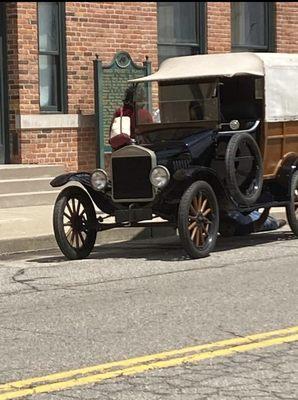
224,138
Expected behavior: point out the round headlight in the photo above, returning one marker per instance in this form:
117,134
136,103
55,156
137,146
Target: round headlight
159,176
99,179
234,124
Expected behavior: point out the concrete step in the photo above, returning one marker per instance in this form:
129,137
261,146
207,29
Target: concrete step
10,186
26,199
29,171
24,185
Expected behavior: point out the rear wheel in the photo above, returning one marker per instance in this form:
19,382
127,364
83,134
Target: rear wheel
74,223
198,219
292,208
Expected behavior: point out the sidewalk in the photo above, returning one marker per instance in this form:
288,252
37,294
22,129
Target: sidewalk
30,228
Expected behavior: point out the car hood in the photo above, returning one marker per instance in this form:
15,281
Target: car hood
194,144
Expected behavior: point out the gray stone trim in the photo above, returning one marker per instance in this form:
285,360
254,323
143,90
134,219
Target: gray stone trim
54,121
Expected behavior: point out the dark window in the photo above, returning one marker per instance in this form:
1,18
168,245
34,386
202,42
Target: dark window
253,26
52,59
181,29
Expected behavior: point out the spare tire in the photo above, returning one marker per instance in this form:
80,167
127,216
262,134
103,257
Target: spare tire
244,168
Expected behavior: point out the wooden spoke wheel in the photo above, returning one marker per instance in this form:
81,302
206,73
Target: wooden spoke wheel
292,207
74,223
198,219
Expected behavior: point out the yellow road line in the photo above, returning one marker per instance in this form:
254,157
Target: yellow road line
147,358
145,363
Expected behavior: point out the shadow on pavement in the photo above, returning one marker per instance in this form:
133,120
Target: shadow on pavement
169,248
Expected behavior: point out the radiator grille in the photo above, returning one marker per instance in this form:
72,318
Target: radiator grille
131,178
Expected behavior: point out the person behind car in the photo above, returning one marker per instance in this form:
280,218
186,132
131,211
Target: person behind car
246,224
143,115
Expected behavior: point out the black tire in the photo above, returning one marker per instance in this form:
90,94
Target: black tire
292,208
198,220
244,168
74,222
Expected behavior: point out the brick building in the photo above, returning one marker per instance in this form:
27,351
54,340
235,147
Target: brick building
47,51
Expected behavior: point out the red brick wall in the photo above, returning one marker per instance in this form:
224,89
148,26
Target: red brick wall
73,148
91,28
22,69
28,58
287,27
105,28
102,28
218,27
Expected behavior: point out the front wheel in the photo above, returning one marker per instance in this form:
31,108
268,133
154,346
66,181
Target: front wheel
74,223
292,208
198,219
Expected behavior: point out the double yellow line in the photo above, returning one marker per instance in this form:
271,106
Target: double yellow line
99,373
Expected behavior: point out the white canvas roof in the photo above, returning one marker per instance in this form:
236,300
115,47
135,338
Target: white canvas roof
279,69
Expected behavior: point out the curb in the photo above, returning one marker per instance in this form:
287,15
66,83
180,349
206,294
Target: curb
279,214
48,242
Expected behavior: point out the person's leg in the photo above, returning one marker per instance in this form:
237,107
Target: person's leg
272,224
244,224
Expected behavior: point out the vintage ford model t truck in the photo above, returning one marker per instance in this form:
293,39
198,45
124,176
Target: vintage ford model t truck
226,139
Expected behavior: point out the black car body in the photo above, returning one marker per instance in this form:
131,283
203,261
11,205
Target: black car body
207,155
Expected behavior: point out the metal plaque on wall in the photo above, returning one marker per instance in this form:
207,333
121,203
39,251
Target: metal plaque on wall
110,83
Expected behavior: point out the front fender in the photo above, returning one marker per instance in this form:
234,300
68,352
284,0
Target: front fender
82,177
101,199
185,177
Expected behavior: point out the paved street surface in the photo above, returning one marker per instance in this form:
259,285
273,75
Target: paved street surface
145,298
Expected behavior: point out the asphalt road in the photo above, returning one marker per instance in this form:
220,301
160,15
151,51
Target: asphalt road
135,299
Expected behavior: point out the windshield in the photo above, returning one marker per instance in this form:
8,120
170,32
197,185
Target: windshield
174,102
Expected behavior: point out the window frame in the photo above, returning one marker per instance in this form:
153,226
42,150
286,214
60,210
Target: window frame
62,66
200,46
270,32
